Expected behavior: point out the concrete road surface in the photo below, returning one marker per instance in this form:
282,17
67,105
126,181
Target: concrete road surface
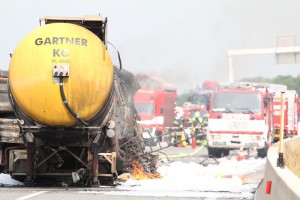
73,194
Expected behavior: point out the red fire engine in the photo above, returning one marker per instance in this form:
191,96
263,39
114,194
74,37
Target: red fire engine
239,116
155,104
290,113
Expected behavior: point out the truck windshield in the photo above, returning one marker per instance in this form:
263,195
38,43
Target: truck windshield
231,102
144,108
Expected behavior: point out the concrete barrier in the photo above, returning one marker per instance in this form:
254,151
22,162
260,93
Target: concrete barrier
285,184
292,155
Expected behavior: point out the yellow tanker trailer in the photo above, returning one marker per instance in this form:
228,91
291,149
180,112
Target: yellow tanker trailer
73,107
60,54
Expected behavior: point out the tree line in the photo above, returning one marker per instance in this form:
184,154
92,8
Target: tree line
292,83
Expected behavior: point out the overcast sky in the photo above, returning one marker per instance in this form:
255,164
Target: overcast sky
184,41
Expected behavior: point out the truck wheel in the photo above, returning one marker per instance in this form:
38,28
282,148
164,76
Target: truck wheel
211,151
225,152
214,152
275,140
262,153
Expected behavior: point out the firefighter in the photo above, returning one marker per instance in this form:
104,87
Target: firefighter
177,123
198,120
198,123
183,123
187,125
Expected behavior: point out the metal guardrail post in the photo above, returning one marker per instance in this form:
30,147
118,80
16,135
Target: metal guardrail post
280,160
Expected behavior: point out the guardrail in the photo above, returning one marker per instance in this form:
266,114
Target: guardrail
281,183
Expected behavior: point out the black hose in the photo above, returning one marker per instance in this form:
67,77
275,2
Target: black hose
65,101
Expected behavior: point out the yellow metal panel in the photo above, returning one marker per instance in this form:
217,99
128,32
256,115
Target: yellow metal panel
36,91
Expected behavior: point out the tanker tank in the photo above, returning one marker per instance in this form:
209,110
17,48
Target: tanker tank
60,51
75,120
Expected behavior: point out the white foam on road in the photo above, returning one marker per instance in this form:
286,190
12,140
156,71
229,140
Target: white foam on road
179,179
6,180
194,180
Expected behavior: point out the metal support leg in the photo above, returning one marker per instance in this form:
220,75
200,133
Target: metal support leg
95,149
30,157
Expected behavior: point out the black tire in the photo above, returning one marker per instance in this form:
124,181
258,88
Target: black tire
262,153
275,140
214,152
226,152
210,151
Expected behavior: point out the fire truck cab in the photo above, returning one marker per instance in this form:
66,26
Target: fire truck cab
239,117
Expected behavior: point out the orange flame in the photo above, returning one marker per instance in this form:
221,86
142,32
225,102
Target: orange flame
139,174
223,176
252,178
